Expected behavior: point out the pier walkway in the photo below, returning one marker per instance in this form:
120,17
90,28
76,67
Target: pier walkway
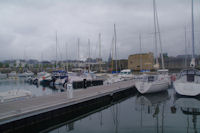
16,110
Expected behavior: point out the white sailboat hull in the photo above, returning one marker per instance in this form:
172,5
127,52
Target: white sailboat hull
152,87
187,88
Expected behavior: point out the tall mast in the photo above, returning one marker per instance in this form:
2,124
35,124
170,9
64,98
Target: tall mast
42,60
67,57
78,41
56,49
193,52
140,52
89,48
159,35
112,52
115,42
185,48
155,31
89,54
99,51
192,64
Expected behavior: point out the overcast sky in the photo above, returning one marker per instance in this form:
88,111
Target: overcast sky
28,27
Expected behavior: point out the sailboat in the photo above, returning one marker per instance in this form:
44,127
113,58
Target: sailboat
188,83
157,82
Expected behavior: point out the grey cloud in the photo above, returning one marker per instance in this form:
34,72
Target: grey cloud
30,26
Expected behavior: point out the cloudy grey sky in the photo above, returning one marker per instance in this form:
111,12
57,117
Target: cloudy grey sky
28,27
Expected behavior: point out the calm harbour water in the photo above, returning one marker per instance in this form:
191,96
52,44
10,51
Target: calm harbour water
154,113
17,84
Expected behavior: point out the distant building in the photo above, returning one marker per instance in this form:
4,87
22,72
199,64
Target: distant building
121,64
143,61
32,63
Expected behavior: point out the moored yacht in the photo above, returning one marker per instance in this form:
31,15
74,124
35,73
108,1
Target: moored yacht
152,84
26,74
12,74
159,81
59,77
188,83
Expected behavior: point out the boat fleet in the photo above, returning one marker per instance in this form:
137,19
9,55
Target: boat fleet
187,83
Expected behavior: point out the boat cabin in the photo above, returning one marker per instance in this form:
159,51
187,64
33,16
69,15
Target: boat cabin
126,71
190,75
149,78
59,74
163,71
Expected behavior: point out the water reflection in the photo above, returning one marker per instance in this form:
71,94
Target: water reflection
152,99
18,84
190,107
152,104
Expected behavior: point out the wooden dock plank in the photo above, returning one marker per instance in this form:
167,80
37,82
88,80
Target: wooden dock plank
21,108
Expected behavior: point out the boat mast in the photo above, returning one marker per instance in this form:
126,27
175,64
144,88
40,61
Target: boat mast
89,48
66,57
192,64
78,41
112,52
159,36
56,49
99,51
192,30
185,48
42,61
155,32
140,52
89,53
115,42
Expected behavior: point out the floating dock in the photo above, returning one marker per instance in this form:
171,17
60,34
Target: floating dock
16,115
